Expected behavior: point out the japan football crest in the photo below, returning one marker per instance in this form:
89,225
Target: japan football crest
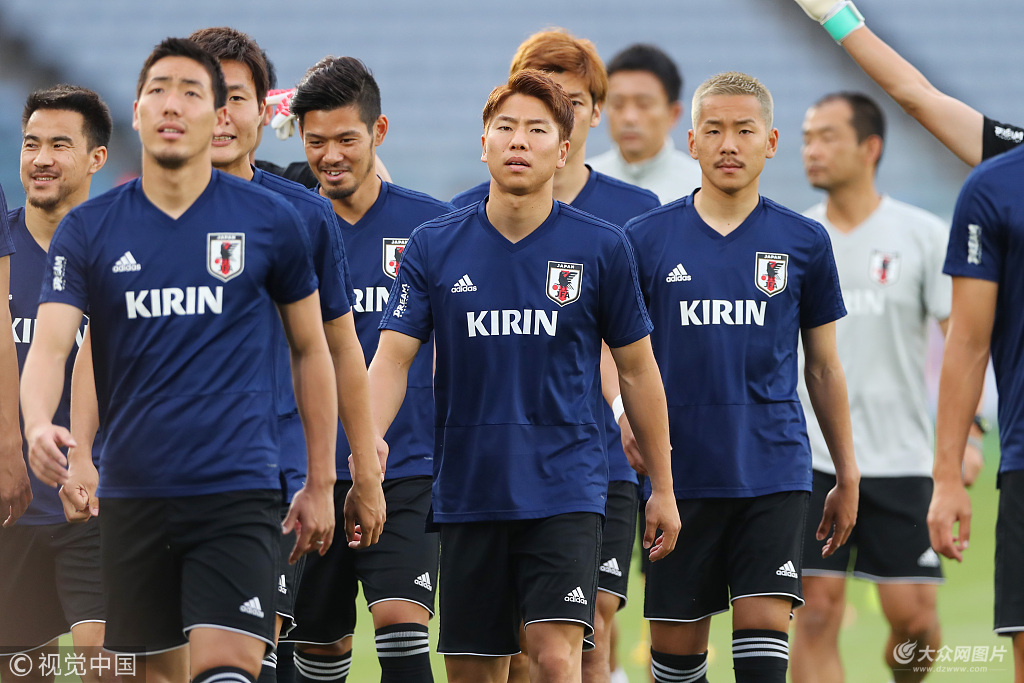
394,248
770,273
885,267
225,254
564,282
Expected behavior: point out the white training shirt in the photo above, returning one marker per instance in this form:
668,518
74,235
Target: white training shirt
670,174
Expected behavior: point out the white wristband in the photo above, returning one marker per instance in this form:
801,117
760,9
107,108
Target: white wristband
617,408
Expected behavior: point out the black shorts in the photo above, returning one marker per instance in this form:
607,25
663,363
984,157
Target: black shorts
496,575
891,536
617,540
174,564
287,584
402,565
729,548
1009,589
49,582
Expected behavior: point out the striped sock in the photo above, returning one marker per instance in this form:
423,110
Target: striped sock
668,668
310,668
760,655
224,674
268,672
404,653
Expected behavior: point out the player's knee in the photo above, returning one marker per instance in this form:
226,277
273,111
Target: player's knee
920,625
553,663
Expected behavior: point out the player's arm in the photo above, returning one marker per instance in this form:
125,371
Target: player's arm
15,490
312,509
389,375
364,504
956,125
78,494
611,393
826,387
974,460
960,384
41,388
643,397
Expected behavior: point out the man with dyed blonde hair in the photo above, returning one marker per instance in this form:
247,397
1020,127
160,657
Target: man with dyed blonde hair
732,281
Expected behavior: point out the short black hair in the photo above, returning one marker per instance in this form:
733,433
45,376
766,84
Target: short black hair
271,71
867,118
227,43
183,47
336,82
645,57
96,122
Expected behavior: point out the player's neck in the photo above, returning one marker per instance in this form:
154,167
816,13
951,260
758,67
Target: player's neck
570,180
174,190
643,155
516,216
851,204
725,211
353,207
42,224
240,168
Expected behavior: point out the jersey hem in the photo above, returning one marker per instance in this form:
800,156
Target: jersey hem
511,515
688,494
187,491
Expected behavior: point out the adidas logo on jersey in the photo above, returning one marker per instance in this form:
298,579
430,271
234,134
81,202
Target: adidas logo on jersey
611,567
126,264
576,596
722,312
678,274
787,570
423,581
929,558
253,607
282,585
463,285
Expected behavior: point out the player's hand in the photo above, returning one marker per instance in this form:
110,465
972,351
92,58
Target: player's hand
15,489
629,445
817,9
661,513
365,513
839,517
973,463
44,455
78,494
950,505
311,515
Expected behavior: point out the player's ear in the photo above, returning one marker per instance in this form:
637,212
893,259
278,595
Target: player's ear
675,111
595,118
691,141
563,153
135,115
773,143
99,157
380,130
483,146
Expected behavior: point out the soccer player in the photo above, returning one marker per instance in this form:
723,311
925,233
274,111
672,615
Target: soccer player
733,280
519,291
967,133
573,63
889,256
339,114
180,272
15,486
986,314
644,85
51,568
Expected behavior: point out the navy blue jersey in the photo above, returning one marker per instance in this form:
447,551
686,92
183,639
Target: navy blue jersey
27,266
377,242
331,268
986,242
727,314
518,330
182,317
612,200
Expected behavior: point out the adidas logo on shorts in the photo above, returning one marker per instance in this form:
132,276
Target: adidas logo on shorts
929,558
126,264
282,586
678,274
576,596
253,607
423,581
611,567
787,570
463,285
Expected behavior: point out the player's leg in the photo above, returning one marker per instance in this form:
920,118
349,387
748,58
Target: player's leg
278,666
913,618
554,648
399,575
765,557
814,654
686,588
325,609
519,665
613,576
1009,590
480,617
1018,658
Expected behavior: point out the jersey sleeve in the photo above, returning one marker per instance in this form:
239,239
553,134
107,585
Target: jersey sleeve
821,300
292,276
331,265
6,242
65,280
997,138
623,315
975,236
408,310
938,287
